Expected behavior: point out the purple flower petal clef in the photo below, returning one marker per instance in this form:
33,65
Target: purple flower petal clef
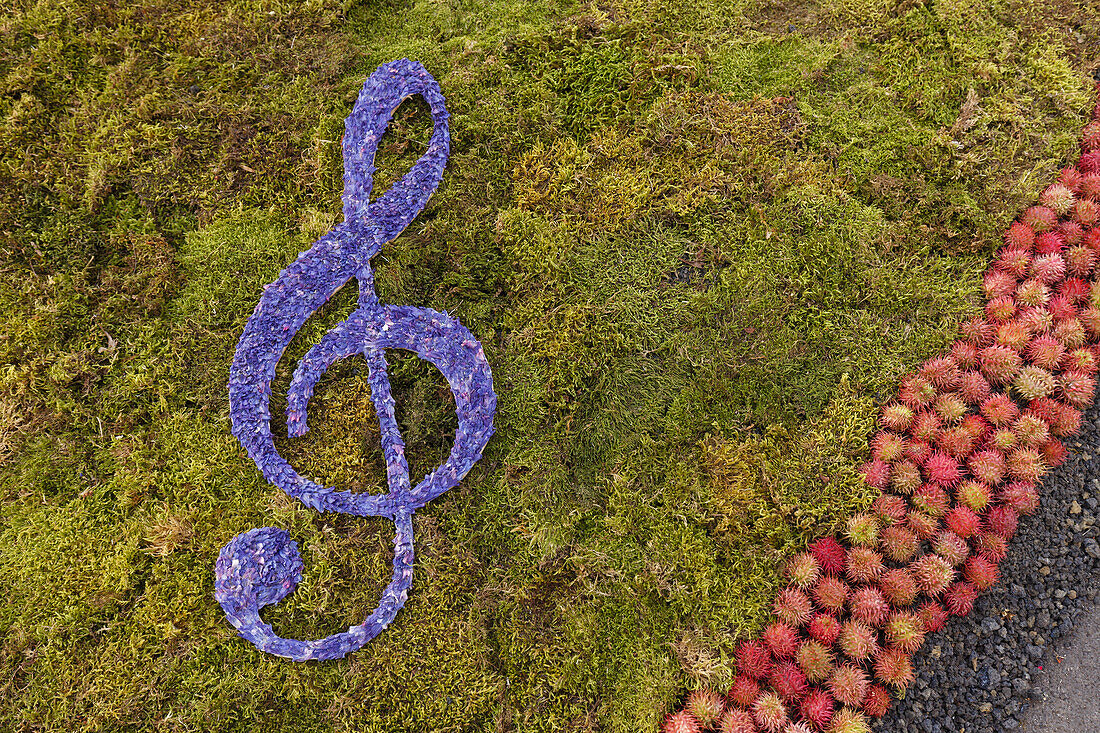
261,566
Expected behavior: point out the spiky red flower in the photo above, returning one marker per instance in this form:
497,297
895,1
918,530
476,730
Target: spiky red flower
1026,464
1058,197
977,331
899,543
1039,218
933,615
875,473
1082,360
1019,236
1048,268
942,469
931,499
864,565
887,446
858,640
981,572
1077,389
1031,321
1090,136
1086,211
896,416
1080,260
831,593
830,555
824,628
788,681
737,721
926,426
933,574
1090,319
918,451
965,354
847,720
923,525
956,441
976,426
951,547
987,465
1070,332
869,605
815,660
1004,440
681,722
942,371
973,388
817,709
1070,177
917,391
959,598
1032,383
706,705
950,407
1045,351
1015,334
1089,162
1032,292
863,529
793,607
802,570
1002,520
894,667
769,713
798,728
999,284
905,631
963,521
1060,306
974,495
890,508
999,364
1021,496
1000,409
1071,232
1076,289
1053,452
899,587
991,546
743,691
781,639
876,702
848,684
754,660
1030,430
1090,185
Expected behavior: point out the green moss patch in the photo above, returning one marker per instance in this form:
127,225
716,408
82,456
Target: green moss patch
700,243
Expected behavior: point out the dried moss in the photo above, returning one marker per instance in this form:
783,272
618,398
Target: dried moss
699,241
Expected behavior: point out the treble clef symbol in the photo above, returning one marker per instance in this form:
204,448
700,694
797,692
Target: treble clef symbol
261,566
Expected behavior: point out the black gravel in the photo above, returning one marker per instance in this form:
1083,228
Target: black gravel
981,673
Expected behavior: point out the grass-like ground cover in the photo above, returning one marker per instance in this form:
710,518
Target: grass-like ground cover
699,242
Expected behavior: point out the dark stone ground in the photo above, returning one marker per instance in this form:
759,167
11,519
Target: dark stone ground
990,671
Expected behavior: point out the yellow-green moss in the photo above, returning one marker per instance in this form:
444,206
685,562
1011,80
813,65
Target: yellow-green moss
699,241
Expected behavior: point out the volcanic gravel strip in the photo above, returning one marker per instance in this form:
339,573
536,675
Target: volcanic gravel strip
983,672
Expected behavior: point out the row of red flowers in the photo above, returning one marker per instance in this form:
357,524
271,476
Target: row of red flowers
958,458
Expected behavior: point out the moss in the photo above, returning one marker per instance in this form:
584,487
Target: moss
700,243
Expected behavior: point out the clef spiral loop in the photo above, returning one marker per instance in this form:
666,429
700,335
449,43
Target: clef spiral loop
261,566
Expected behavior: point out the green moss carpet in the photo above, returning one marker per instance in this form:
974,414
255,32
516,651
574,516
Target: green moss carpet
700,242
